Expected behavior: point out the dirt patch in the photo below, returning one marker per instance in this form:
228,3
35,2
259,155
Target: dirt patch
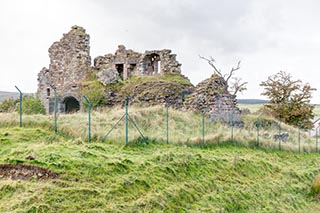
25,172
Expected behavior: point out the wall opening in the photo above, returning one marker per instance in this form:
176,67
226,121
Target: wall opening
48,92
71,104
151,64
130,69
119,68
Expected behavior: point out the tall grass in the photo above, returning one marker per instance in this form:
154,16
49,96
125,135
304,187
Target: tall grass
184,128
99,177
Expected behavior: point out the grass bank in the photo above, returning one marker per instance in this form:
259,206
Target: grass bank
183,128
110,177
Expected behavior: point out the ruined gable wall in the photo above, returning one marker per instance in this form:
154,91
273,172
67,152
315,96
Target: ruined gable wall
135,63
168,62
70,60
70,63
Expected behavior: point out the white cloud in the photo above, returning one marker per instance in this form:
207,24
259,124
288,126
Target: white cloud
267,36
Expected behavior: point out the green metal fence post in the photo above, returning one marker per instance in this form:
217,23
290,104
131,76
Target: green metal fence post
167,122
317,139
299,138
203,128
89,118
20,107
258,127
55,108
127,118
279,126
55,111
127,121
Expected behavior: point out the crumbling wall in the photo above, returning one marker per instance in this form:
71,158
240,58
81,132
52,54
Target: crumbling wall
124,62
129,63
70,63
70,66
212,97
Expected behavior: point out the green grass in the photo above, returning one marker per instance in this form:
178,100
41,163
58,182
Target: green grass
110,177
184,128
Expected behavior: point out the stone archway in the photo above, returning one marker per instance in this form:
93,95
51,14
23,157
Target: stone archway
71,104
152,64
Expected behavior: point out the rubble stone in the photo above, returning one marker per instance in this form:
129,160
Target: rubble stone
212,97
108,76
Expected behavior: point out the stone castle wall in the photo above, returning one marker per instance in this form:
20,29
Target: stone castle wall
70,63
128,63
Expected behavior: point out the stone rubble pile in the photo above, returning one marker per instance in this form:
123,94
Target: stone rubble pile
212,97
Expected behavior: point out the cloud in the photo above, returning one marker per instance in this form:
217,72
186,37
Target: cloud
267,36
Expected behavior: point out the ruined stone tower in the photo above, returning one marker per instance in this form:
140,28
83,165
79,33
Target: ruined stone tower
69,64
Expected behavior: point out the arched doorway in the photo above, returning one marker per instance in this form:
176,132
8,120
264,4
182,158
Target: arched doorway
151,64
71,104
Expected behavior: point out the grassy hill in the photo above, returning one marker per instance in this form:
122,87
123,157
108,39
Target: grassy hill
222,176
99,177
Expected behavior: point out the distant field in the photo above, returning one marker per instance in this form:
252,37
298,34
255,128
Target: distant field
252,107
6,95
255,107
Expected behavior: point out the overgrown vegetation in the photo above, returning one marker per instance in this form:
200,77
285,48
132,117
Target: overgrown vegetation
8,105
289,100
108,177
30,105
184,128
100,95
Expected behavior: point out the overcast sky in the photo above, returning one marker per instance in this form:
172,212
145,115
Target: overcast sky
267,36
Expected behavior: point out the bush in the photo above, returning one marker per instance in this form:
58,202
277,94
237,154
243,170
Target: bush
315,188
8,105
31,105
94,90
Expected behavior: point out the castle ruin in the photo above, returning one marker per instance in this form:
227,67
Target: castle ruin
70,64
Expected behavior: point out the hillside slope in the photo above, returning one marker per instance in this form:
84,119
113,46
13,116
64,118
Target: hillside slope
6,95
99,177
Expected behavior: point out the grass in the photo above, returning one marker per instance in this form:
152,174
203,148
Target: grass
184,128
110,177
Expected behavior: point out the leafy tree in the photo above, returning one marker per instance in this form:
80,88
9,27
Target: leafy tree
31,105
289,99
8,105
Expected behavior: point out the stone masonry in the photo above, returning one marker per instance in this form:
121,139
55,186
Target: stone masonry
70,63
129,63
70,66
212,97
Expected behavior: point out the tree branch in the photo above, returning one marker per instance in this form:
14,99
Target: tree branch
211,62
233,70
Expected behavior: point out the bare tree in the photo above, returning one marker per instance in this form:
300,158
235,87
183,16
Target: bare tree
237,85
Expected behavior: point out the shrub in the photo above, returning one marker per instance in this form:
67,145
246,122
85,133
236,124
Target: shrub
94,90
315,188
31,105
8,105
